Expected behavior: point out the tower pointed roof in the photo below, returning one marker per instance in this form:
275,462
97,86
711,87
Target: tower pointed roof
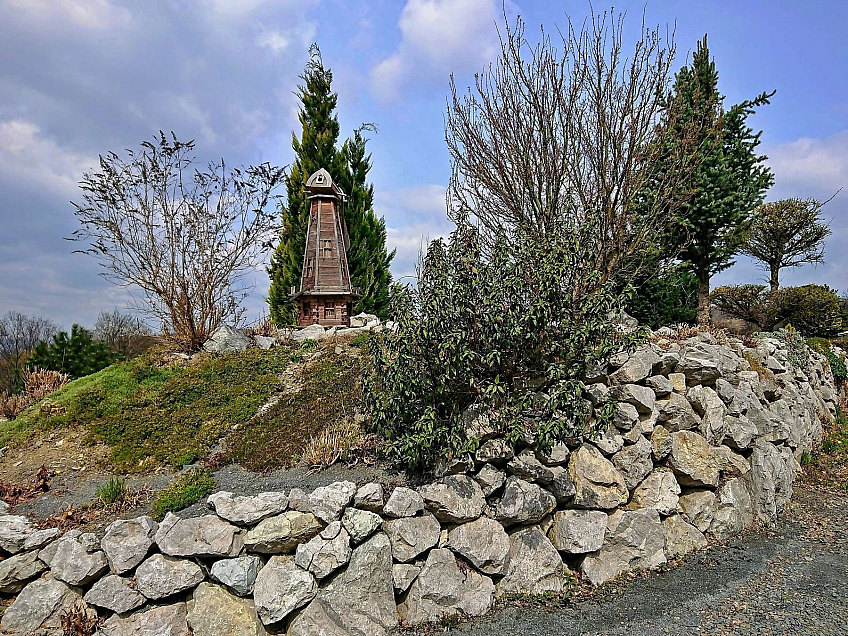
320,184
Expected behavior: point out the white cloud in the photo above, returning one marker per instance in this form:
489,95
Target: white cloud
818,164
273,40
438,37
89,14
27,155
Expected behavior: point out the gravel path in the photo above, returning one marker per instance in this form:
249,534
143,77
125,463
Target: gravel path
792,579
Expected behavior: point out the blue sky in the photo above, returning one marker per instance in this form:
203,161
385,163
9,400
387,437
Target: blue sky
82,77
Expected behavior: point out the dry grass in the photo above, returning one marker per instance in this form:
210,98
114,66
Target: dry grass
80,621
13,494
682,332
38,383
342,441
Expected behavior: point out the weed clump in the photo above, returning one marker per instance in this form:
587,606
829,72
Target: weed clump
112,491
185,490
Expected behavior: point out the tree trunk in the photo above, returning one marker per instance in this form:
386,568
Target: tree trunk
774,281
704,297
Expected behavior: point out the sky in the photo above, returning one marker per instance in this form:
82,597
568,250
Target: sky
79,78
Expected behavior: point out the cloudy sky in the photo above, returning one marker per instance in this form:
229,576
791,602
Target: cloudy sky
83,77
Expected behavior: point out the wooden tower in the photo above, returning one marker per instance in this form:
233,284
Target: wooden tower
325,296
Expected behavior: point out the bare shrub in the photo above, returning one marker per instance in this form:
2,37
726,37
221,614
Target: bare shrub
38,383
19,334
123,333
187,237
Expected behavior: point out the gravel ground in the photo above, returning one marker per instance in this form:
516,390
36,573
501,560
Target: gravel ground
791,579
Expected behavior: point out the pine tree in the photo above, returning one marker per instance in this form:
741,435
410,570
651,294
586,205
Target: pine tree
727,180
316,148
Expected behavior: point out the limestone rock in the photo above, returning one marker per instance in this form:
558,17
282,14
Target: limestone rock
678,382
226,339
16,570
206,536
40,538
660,384
597,482
281,588
676,413
562,487
772,477
665,365
681,538
634,462
556,456
403,574
362,319
163,620
265,342
484,543
410,536
610,442
328,502
14,531
161,576
442,590
454,499
40,604
114,593
312,332
360,524
642,397
476,423
458,465
638,367
693,460
699,507
247,510
326,553
283,533
526,466
238,574
660,443
634,540
578,531
127,542
214,612
369,497
740,431
360,600
490,479
733,511
712,411
73,565
700,366
496,451
403,502
523,502
659,490
533,565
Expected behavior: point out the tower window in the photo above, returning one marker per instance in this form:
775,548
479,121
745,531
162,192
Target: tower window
328,248
310,266
329,309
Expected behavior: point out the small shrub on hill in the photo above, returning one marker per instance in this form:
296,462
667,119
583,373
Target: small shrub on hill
509,332
188,488
112,491
814,310
667,299
77,355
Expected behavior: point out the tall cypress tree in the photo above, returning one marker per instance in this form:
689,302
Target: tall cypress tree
316,148
727,180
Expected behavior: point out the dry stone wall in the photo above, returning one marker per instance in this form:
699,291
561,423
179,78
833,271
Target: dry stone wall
707,441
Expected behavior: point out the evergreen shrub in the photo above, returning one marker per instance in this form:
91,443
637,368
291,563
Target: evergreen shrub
77,355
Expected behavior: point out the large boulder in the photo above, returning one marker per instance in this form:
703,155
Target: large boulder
16,570
403,502
360,524
74,565
642,397
238,574
634,462
41,605
163,620
282,533
161,576
733,511
410,536
675,413
281,588
360,600
226,339
693,460
369,497
659,490
328,502
578,531
326,553
206,536
312,332
484,543
533,565
213,611
523,502
597,482
634,540
700,365
247,510
443,589
681,538
454,499
772,475
127,542
699,507
14,531
638,366
490,479
115,594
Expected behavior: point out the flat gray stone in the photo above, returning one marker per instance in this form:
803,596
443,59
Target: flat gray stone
490,479
403,502
281,588
484,543
597,482
75,566
41,605
699,506
523,502
659,490
454,499
14,531
403,574
161,576
328,502
410,536
247,510
17,570
238,574
578,531
127,542
360,524
324,554
369,497
681,538
114,593
206,536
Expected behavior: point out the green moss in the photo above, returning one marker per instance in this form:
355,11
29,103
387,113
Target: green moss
152,415
185,490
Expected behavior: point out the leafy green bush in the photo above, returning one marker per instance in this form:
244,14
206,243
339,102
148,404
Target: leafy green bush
112,491
185,490
669,298
509,333
78,355
814,310
747,302
838,367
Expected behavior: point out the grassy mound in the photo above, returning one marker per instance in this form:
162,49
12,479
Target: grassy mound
153,414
